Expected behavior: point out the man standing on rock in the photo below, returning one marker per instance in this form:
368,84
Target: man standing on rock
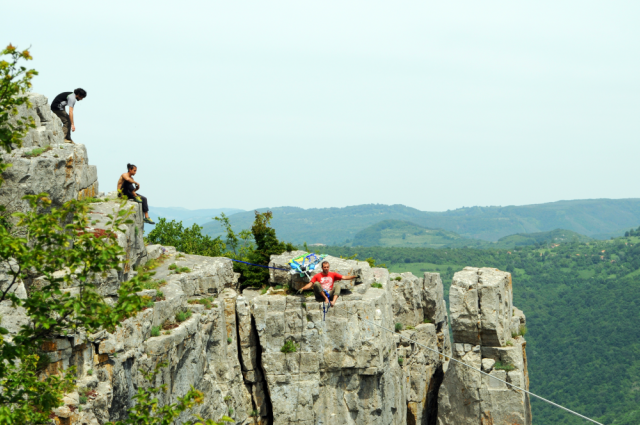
325,286
67,98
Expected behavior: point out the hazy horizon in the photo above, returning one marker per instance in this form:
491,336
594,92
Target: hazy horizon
426,104
378,203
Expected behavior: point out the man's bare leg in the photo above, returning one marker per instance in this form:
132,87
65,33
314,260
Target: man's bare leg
335,298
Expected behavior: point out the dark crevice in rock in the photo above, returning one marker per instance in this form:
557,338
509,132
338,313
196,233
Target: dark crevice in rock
247,384
267,390
431,408
123,393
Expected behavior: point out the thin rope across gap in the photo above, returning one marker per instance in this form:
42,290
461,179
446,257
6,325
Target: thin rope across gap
449,357
258,265
478,370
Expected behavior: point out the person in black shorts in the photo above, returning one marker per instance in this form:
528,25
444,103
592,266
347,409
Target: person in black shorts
69,99
128,187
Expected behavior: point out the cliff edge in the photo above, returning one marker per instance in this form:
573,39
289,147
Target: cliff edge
380,357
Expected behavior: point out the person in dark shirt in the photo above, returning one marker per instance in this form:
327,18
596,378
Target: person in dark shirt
127,186
325,285
62,100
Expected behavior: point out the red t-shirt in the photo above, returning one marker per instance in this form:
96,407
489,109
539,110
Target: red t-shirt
326,281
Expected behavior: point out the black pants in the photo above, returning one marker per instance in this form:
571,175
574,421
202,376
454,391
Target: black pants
145,206
66,123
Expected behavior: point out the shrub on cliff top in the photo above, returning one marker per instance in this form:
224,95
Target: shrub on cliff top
256,251
189,240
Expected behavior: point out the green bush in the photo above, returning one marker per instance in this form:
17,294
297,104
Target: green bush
155,331
183,315
398,278
187,240
172,266
289,347
90,372
36,152
254,414
153,284
83,399
206,302
229,340
400,361
399,327
522,331
372,263
427,320
376,285
504,366
259,251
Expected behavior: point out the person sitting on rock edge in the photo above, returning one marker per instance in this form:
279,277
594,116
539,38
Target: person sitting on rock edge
128,187
57,106
326,283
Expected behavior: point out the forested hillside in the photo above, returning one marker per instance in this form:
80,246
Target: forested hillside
597,218
405,233
398,233
582,301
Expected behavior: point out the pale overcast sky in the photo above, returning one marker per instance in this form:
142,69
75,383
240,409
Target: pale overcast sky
435,105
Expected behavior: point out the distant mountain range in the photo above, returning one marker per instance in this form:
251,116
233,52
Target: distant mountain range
596,218
189,217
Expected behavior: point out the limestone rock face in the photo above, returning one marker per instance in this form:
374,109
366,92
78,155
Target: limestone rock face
48,129
486,330
63,172
418,305
202,351
344,370
130,239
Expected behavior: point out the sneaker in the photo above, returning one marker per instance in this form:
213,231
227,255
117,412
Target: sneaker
138,199
69,141
149,221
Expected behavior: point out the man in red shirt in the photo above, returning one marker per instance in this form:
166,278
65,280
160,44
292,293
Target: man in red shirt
326,281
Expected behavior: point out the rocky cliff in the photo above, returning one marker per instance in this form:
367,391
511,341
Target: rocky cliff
45,163
488,335
379,357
